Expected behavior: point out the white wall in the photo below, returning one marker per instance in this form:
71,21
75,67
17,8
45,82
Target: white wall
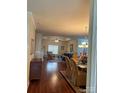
31,35
39,46
66,44
75,45
51,42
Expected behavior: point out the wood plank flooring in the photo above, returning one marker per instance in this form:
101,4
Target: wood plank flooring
51,80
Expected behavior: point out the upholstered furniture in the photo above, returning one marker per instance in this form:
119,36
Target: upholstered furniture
69,55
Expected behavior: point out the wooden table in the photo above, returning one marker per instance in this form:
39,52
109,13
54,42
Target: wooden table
79,64
82,67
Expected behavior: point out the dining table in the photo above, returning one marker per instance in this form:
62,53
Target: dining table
80,65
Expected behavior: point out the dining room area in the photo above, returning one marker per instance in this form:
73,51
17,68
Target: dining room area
72,57
76,70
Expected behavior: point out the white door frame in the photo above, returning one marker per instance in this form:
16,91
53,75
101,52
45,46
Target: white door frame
92,50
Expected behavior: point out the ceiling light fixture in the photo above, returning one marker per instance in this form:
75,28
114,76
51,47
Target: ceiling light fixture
83,45
56,40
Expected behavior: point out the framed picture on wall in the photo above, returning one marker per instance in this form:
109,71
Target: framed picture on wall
62,47
71,47
32,46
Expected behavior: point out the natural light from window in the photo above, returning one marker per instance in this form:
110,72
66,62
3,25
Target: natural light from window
53,49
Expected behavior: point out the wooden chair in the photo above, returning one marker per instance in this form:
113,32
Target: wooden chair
68,69
78,76
49,56
71,71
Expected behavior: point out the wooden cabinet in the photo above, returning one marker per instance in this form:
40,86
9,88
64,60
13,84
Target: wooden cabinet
35,69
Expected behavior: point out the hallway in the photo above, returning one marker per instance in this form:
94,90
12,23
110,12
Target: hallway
51,80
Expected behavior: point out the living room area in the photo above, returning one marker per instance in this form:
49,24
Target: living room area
54,47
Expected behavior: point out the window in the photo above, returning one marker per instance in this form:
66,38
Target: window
53,49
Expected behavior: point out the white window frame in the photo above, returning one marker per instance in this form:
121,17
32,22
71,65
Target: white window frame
54,46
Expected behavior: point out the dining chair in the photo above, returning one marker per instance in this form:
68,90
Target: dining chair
68,69
78,76
71,68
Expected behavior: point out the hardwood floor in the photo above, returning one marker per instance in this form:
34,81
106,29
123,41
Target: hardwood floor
51,80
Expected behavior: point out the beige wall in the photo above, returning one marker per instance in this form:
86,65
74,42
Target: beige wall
39,46
51,42
75,44
66,44
31,35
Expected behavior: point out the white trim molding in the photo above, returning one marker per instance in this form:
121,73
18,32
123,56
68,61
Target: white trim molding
92,50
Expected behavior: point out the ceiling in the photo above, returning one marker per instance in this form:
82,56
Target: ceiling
60,17
61,38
